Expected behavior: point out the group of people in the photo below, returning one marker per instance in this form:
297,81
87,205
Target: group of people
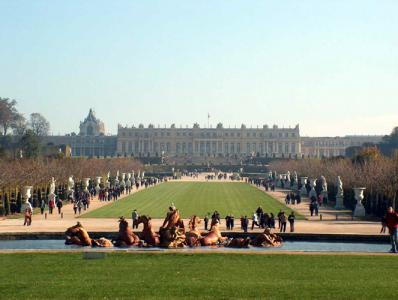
292,198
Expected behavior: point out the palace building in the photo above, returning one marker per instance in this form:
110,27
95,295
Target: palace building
216,142
195,144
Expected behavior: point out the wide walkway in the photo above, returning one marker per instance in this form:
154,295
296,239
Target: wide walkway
54,223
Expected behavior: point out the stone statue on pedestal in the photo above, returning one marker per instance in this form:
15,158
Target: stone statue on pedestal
295,183
71,188
303,190
324,187
26,196
359,210
288,180
340,194
313,191
108,182
51,194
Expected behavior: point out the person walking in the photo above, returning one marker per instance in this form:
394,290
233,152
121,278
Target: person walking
75,206
392,224
255,220
79,206
291,220
59,206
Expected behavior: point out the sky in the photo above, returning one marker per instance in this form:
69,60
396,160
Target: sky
330,66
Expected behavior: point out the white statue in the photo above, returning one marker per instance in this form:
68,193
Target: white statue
52,186
122,182
71,184
117,179
26,195
128,181
143,174
324,184
313,191
340,194
324,187
288,176
303,190
295,181
98,182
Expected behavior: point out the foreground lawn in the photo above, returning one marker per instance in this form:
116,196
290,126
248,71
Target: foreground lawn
193,198
197,276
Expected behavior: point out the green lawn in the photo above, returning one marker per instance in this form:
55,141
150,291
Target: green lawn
193,198
197,276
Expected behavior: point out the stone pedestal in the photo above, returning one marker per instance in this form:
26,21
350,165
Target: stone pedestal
98,182
339,202
359,210
86,182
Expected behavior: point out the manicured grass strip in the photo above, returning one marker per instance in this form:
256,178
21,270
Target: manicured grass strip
192,198
197,276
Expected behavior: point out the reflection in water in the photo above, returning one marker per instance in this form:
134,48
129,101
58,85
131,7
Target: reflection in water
287,246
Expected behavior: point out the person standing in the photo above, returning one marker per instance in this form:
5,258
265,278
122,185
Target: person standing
245,223
42,206
291,219
231,222
134,217
279,218
206,221
51,205
282,218
392,224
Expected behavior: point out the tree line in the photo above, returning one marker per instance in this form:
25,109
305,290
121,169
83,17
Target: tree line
20,136
15,174
370,168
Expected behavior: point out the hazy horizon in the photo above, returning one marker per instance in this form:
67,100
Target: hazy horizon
331,67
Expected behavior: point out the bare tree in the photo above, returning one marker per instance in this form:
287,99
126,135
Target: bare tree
39,124
20,125
8,114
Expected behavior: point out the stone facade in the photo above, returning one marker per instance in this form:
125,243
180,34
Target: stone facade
193,143
214,142
91,140
334,146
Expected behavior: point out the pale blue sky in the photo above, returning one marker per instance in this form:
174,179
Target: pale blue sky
331,66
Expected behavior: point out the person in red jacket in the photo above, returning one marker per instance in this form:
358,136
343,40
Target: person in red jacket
392,224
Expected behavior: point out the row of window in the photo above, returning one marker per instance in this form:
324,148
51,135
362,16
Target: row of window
211,134
208,147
